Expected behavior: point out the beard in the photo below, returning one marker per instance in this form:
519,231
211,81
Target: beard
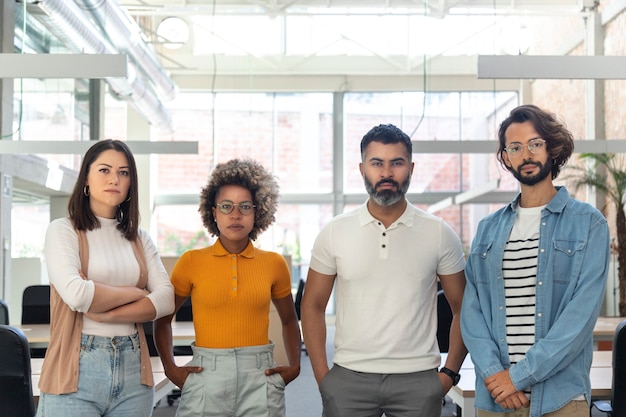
544,171
387,197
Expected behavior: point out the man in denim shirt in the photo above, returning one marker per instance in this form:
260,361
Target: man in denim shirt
535,281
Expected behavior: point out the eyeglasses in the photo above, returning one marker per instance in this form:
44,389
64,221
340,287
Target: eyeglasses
535,146
228,206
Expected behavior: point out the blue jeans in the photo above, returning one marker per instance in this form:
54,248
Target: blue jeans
109,382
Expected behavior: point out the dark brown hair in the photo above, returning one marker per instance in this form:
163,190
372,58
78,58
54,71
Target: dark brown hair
559,140
387,134
127,213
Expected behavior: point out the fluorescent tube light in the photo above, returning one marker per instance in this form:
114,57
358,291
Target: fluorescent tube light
80,147
90,66
590,67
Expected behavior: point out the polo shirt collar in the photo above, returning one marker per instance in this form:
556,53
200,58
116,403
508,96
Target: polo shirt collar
407,217
219,250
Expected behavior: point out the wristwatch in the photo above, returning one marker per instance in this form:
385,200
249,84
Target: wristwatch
456,377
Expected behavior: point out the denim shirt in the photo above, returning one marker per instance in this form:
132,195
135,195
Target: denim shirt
572,267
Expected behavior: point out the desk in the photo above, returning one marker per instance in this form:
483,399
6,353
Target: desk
605,328
162,385
463,394
183,334
38,335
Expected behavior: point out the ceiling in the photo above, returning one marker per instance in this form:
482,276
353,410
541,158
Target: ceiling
435,8
344,45
232,42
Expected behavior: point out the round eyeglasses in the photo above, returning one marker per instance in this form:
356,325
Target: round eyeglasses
516,149
227,207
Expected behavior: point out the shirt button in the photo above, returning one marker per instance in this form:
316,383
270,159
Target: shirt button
540,283
384,234
538,314
384,246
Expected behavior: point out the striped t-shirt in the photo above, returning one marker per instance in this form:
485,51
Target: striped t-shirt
519,267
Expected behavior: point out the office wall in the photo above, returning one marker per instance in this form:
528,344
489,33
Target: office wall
24,272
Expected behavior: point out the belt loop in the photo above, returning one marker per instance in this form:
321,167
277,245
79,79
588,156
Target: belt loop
270,362
258,361
214,362
135,340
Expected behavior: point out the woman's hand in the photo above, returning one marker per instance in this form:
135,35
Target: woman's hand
178,374
287,373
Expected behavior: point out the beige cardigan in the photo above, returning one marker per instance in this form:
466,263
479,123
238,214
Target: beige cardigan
59,373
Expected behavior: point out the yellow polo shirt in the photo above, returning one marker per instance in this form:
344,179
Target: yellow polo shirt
231,293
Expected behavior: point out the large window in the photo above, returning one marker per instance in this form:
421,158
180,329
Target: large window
292,134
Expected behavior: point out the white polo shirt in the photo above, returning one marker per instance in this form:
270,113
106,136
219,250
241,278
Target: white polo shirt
386,287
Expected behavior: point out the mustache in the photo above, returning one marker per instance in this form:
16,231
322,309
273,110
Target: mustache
535,163
387,181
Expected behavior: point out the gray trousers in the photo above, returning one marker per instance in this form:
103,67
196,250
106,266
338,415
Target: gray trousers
347,393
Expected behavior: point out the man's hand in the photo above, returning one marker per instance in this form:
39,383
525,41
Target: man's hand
500,386
446,382
515,401
287,373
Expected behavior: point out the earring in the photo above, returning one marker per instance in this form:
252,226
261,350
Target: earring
128,199
86,190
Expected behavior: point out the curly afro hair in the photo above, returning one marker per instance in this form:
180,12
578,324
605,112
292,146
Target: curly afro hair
249,174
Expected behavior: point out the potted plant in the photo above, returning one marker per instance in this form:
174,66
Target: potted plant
607,174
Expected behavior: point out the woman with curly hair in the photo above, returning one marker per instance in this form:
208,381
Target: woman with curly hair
231,284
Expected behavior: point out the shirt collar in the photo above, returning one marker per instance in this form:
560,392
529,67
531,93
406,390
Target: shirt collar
556,205
365,217
219,250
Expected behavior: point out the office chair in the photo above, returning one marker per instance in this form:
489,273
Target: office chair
36,304
617,406
297,302
444,321
184,313
4,312
16,390
298,299
36,310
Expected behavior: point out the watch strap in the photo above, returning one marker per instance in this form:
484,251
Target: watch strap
456,377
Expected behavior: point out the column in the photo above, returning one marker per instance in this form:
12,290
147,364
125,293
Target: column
7,33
